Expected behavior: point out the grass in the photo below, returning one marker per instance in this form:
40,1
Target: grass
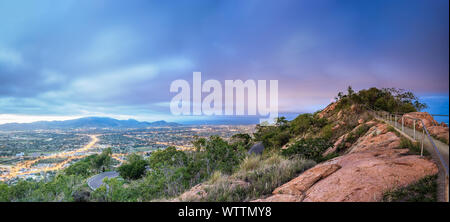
261,176
414,147
424,190
392,129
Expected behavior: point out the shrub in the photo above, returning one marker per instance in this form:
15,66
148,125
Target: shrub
262,178
414,147
327,132
134,168
424,190
309,148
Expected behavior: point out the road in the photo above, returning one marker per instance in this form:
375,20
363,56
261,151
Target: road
96,181
70,155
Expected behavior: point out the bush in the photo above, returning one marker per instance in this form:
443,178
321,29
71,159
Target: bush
424,190
355,135
414,147
388,99
262,175
134,168
309,148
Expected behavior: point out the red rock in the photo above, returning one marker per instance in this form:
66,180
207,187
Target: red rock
302,183
439,132
325,112
280,198
373,166
427,119
335,145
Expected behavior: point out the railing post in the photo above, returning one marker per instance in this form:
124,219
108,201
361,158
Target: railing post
423,137
403,128
414,128
446,188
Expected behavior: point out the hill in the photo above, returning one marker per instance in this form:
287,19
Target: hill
87,122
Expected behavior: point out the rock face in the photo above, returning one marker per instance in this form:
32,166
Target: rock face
427,119
373,165
342,138
325,112
440,132
195,193
377,138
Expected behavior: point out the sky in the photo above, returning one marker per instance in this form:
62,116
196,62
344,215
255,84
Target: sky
64,59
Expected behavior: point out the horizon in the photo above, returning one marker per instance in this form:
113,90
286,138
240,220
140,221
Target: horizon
71,59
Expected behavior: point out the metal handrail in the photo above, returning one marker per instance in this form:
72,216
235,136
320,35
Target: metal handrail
425,131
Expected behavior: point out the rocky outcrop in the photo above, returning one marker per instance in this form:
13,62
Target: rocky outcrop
373,165
327,111
335,146
301,184
342,139
438,130
377,138
197,192
427,119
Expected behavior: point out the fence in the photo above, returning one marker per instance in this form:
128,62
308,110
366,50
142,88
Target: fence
393,119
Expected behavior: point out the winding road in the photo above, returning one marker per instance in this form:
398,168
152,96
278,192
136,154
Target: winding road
96,181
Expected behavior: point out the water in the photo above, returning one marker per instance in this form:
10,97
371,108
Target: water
437,104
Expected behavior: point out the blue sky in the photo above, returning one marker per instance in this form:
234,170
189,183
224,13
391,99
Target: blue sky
65,59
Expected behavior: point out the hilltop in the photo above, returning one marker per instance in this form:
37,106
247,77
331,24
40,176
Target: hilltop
87,122
358,157
340,153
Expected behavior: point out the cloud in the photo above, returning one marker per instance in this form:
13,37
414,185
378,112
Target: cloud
10,58
88,57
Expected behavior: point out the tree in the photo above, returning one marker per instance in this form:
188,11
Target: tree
134,168
103,161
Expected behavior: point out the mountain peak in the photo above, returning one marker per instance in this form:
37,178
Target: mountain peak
85,122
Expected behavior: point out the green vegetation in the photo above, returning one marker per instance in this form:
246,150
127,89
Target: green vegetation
134,168
59,188
309,148
255,178
91,165
388,99
424,190
353,136
224,167
414,147
173,171
305,125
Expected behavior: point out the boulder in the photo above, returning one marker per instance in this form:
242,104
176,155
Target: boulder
197,192
257,149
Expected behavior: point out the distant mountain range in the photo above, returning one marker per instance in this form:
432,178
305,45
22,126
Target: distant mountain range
87,122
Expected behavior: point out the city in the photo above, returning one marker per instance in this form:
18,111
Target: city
40,154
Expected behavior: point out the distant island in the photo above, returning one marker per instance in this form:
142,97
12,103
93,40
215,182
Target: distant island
86,122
